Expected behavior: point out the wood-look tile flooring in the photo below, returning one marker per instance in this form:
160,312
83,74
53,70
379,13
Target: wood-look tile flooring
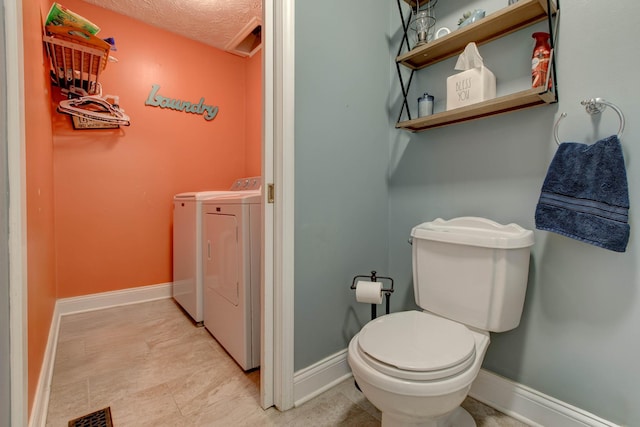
153,367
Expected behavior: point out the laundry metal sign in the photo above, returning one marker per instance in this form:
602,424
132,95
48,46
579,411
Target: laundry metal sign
156,100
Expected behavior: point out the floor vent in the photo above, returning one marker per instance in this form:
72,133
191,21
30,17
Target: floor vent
101,418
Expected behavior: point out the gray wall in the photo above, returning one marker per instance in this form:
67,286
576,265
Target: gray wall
342,84
578,337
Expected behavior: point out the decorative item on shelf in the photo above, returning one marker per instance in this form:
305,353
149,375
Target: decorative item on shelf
512,2
540,60
475,84
470,17
425,105
424,22
442,31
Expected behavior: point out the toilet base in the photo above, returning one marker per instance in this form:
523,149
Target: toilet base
459,417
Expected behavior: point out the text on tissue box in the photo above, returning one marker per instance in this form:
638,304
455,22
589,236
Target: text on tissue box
470,86
475,84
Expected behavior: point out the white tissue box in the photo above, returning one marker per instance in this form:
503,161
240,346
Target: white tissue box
470,86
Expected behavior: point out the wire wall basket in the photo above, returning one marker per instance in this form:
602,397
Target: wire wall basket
76,57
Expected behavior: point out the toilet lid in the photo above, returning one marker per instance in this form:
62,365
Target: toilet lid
418,342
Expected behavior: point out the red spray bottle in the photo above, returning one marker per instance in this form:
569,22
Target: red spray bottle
540,60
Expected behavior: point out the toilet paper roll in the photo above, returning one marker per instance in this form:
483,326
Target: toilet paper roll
369,292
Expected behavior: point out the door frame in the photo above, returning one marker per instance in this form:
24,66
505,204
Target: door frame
16,171
278,235
5,326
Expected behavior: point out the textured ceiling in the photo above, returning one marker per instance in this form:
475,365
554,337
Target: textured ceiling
218,23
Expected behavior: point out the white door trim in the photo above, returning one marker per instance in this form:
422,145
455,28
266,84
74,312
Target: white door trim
14,62
266,295
283,220
276,373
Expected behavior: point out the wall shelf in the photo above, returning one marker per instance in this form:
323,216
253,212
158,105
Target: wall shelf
505,21
516,101
77,57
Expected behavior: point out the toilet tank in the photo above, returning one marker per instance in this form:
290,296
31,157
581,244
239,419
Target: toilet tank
472,270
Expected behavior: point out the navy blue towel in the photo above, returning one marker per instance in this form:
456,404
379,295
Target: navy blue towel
585,194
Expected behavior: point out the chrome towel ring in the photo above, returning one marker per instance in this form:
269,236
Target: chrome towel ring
593,106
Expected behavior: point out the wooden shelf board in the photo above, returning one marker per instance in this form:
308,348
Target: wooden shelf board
498,24
504,104
414,3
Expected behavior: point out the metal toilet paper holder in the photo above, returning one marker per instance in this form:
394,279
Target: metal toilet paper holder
387,291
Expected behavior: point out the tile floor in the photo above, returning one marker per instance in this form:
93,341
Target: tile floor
153,367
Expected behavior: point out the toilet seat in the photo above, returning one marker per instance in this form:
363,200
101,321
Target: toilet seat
415,345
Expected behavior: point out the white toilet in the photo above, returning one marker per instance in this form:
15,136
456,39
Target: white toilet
469,277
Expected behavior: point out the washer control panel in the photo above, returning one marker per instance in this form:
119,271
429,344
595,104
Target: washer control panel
251,183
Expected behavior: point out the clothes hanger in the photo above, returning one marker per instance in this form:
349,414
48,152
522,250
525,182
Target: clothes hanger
94,107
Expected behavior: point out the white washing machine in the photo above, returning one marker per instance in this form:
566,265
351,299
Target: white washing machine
187,287
232,236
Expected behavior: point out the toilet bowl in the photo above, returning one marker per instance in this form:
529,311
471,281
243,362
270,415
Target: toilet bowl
469,277
417,368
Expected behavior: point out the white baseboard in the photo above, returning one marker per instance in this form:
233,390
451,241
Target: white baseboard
112,299
319,377
516,400
528,405
38,417
65,306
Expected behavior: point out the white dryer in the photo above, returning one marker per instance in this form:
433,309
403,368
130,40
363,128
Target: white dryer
187,287
231,261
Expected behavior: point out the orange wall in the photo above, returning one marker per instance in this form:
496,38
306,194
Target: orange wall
254,115
41,290
113,189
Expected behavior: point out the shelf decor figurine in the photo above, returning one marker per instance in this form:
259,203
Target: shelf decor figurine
470,17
